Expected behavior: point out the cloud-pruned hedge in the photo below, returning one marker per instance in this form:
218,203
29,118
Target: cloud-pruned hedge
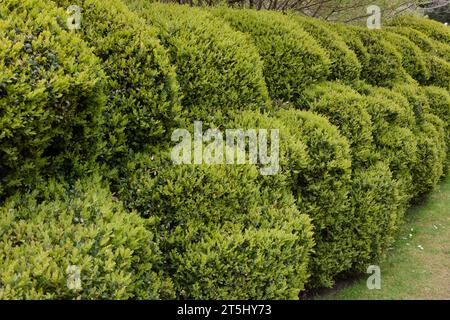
363,120
224,233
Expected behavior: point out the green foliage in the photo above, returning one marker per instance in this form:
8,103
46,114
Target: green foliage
430,135
316,159
439,101
376,201
440,72
51,95
393,124
414,60
376,124
431,155
44,232
431,28
142,90
437,55
225,234
384,66
353,42
105,99
417,37
425,43
344,62
218,69
346,109
416,99
292,59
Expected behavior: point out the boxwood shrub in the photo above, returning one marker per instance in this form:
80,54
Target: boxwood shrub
414,60
350,159
440,72
365,209
376,200
47,234
378,207
317,162
344,62
351,39
346,109
384,66
437,55
143,98
218,68
292,58
431,28
425,43
225,232
416,98
431,155
51,95
430,135
439,101
393,132
420,39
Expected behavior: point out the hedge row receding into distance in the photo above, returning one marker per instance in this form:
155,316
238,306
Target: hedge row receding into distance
93,207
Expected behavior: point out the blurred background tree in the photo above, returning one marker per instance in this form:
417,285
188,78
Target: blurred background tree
333,10
437,9
338,10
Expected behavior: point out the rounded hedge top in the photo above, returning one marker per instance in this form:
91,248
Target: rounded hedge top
437,57
433,29
219,231
384,66
423,41
224,233
317,163
346,109
344,62
393,124
56,231
413,59
439,101
218,69
51,93
353,42
143,98
292,58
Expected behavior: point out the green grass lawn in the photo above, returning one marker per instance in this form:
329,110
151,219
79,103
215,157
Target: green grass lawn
411,272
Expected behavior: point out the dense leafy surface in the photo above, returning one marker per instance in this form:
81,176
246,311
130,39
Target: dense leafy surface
86,119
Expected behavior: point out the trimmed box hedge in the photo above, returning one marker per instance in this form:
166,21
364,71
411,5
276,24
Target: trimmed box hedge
224,233
51,95
143,104
45,232
218,69
414,60
317,162
292,58
434,29
344,62
346,109
104,100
